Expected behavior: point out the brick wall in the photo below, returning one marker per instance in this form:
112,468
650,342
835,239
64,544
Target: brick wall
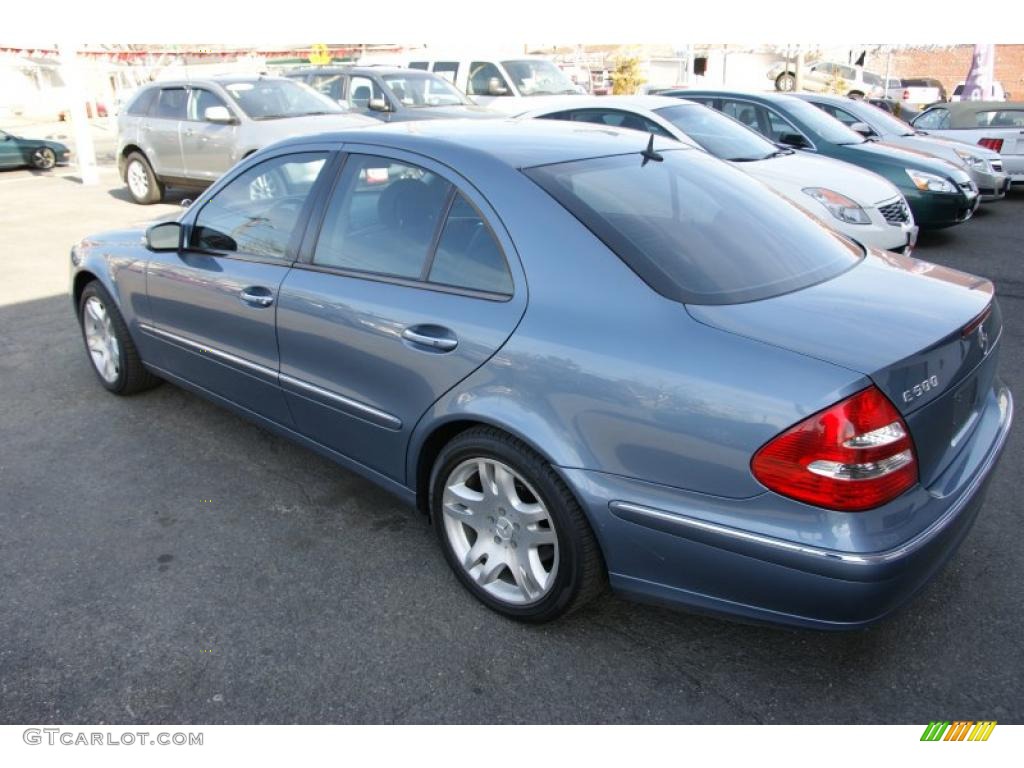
951,65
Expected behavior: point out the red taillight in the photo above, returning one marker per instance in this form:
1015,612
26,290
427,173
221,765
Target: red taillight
853,456
996,145
906,95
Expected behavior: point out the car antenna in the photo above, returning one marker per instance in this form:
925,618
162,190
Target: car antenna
649,153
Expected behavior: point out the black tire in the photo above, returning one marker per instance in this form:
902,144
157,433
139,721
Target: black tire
581,574
154,191
785,82
44,158
132,375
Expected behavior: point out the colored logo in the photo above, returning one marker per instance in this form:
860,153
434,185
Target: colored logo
961,730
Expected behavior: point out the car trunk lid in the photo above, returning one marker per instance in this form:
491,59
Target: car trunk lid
923,334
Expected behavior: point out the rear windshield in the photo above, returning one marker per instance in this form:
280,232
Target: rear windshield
697,230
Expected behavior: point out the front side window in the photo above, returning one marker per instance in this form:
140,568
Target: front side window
361,90
202,100
418,65
449,70
694,230
538,77
468,255
828,128
256,213
382,218
485,80
170,105
272,99
329,85
932,120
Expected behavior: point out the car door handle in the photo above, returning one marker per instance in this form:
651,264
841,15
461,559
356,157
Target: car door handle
433,337
257,296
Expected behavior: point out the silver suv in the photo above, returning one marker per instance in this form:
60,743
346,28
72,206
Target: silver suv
187,133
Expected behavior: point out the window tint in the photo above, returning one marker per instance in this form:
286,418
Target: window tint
418,65
382,218
933,119
694,230
140,104
202,100
842,115
468,255
170,105
449,70
778,126
745,113
257,212
722,137
480,74
1003,118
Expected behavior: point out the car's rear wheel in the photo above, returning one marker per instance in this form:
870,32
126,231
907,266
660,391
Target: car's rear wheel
111,350
511,530
785,82
143,185
44,158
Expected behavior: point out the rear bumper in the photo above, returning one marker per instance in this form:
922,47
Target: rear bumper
669,547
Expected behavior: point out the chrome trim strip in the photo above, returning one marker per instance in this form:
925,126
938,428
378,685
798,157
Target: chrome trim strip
684,522
381,418
360,410
221,355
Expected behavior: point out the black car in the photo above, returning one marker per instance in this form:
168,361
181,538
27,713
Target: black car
391,94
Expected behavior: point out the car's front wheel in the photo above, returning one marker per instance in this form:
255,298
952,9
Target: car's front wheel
511,530
44,158
111,350
785,82
143,185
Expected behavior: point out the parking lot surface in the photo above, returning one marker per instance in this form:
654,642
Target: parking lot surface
162,560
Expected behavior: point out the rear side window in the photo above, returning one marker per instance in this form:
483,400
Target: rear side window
170,105
329,85
695,229
468,255
140,104
1002,118
449,70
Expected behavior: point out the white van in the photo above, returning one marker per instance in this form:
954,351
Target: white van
498,83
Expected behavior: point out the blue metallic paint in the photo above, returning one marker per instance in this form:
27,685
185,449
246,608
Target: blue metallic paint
633,398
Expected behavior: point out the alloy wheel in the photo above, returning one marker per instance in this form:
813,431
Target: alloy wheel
138,180
500,531
101,340
44,158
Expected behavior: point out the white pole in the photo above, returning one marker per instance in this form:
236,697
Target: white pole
85,152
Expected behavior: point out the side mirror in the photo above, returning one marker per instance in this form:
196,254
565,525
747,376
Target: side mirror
377,105
165,236
862,128
495,87
218,115
795,140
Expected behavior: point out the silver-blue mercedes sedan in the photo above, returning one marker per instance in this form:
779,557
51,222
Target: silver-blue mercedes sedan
590,356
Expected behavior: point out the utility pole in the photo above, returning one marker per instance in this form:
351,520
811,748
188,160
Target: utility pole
85,152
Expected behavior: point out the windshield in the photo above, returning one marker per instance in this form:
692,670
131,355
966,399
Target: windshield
695,229
273,99
888,122
720,135
826,126
538,77
423,90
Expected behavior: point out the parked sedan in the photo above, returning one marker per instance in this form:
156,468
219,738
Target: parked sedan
997,125
391,94
939,194
17,152
858,203
984,166
187,133
708,399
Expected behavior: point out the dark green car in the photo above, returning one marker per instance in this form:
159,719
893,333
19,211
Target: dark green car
939,193
16,152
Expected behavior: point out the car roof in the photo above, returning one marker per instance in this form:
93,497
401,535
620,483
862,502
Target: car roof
380,69
645,102
713,93
213,80
979,106
515,143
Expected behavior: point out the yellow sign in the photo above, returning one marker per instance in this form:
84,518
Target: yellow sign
319,54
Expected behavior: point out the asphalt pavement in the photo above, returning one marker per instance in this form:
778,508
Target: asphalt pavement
164,561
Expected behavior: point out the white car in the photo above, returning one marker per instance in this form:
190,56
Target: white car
997,92
824,76
858,203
